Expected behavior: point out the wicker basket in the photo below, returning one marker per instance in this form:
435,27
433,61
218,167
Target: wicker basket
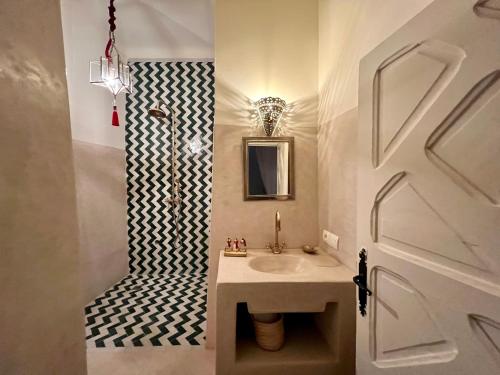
269,336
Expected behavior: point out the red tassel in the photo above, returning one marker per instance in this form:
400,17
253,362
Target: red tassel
114,120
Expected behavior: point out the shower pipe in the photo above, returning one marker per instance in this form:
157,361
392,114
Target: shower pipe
175,199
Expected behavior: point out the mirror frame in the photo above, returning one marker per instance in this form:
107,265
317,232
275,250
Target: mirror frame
291,168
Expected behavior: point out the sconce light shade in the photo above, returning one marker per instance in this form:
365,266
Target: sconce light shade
270,111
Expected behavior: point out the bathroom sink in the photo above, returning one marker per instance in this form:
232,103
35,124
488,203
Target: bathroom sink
279,264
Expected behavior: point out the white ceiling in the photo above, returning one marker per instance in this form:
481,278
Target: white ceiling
146,29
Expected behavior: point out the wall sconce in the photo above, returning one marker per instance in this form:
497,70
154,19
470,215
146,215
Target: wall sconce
270,111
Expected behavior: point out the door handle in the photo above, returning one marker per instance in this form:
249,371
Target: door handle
359,283
360,280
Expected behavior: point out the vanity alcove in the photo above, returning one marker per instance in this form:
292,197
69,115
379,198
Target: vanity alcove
313,292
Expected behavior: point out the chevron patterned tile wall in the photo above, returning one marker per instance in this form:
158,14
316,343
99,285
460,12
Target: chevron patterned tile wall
163,300
188,87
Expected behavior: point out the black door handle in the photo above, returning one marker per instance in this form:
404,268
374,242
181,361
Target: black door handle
359,283
360,280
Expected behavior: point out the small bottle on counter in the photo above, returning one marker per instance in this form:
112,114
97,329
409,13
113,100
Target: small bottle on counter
235,248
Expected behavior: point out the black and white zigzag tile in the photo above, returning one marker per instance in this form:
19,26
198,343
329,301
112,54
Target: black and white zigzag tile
145,310
188,87
163,300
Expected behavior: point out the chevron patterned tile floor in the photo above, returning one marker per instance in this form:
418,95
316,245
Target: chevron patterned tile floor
149,310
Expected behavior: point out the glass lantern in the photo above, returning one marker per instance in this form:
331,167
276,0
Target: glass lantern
111,73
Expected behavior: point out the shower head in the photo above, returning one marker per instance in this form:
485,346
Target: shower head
156,111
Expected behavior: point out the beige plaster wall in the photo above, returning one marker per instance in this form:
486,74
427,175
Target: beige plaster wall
263,48
102,212
41,310
348,30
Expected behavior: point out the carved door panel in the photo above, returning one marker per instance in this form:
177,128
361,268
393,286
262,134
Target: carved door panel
429,194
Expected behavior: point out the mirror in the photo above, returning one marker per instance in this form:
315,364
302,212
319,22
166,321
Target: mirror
268,168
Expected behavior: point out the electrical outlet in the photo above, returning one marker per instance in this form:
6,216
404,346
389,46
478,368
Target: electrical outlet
331,239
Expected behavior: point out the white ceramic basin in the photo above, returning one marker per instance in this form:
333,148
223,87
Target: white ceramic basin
280,264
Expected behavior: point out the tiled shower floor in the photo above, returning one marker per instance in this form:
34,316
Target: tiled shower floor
149,310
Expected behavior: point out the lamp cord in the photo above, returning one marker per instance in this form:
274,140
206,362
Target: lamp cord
112,27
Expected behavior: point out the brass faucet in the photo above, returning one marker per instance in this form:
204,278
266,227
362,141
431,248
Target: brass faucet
276,248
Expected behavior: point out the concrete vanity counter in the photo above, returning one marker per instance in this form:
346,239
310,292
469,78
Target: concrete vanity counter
315,293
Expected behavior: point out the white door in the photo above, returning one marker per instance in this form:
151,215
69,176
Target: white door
429,194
